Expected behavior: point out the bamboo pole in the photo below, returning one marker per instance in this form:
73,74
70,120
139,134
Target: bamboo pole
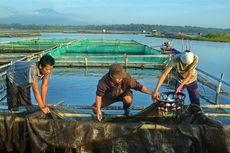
86,62
76,115
221,106
121,115
106,62
157,127
224,106
88,115
219,88
217,115
106,108
126,61
115,56
12,55
5,61
31,56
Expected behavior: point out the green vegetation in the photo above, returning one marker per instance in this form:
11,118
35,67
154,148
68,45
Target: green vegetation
101,31
217,37
116,27
220,37
177,32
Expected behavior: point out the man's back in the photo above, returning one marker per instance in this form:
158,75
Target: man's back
106,87
181,69
23,73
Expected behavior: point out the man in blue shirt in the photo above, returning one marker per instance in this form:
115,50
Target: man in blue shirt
23,75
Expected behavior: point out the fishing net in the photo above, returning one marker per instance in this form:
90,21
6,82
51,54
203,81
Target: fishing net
146,131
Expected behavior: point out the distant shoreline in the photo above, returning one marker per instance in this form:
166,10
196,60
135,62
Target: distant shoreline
217,37
34,33
13,35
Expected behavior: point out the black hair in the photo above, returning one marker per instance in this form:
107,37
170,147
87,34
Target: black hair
46,60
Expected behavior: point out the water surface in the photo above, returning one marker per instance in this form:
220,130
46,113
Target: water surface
77,86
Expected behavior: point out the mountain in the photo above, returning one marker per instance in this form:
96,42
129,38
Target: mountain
41,16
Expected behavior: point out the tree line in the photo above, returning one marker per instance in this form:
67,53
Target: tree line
118,27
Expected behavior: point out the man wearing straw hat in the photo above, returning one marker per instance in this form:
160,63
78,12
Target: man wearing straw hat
21,76
185,73
116,86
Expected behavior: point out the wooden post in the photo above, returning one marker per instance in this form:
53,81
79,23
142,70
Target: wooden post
86,62
86,65
218,89
126,62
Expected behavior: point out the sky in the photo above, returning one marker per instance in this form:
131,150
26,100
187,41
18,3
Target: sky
202,13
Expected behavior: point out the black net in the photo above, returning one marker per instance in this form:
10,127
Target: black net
191,132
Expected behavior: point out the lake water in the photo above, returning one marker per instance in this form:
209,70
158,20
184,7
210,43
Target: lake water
77,86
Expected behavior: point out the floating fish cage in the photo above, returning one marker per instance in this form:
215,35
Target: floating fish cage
87,52
100,52
31,46
147,131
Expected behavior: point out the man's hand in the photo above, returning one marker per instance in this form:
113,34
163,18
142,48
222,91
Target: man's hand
45,110
50,105
155,96
99,116
179,89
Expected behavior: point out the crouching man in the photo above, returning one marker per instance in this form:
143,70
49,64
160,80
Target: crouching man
116,86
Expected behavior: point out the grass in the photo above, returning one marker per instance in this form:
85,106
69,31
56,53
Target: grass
218,37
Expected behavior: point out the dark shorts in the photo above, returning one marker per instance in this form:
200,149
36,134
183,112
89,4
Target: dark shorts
110,100
192,91
17,96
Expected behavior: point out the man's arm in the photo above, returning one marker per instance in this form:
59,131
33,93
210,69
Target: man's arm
187,77
44,88
98,104
160,82
38,98
146,90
